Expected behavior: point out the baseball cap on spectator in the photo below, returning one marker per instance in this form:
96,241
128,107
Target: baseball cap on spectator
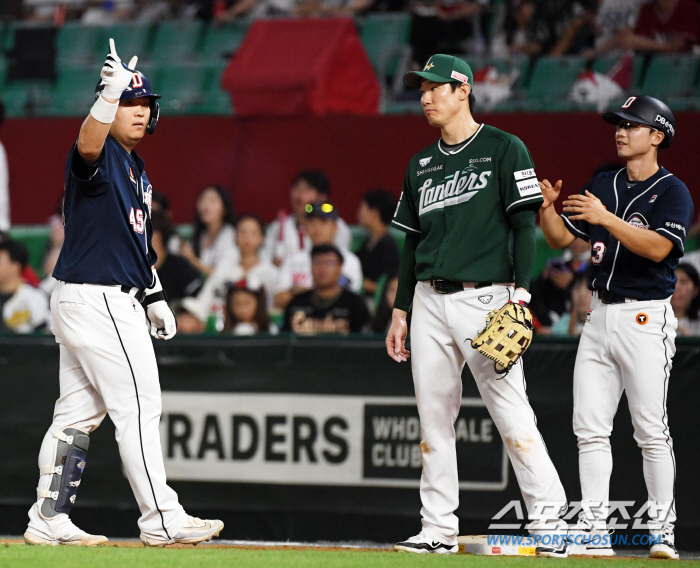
315,179
321,209
441,69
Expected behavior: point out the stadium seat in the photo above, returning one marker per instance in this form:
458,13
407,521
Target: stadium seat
182,87
604,63
552,77
670,76
177,41
222,41
385,38
26,98
129,40
217,100
76,43
74,90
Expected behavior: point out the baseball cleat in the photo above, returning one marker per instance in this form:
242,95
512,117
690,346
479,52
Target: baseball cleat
194,531
664,546
585,540
78,538
561,551
425,544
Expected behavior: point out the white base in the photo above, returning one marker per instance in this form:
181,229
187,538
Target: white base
478,544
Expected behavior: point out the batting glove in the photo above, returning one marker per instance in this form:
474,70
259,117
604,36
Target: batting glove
161,319
115,75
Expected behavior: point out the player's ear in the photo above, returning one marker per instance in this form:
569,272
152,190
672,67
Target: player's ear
464,90
658,137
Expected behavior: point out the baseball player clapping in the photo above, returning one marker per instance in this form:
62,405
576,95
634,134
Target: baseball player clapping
106,294
636,219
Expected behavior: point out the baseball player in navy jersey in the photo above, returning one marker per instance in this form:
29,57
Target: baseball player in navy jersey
636,220
107,294
465,199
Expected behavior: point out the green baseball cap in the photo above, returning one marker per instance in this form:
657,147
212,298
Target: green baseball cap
441,69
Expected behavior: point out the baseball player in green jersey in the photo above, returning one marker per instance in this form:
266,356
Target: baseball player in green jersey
468,210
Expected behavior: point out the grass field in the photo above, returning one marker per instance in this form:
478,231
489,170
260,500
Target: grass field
18,555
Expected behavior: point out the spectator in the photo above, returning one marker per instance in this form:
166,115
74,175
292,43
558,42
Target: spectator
242,263
187,322
328,307
24,309
246,313
663,26
379,254
614,16
577,255
107,12
177,275
382,319
56,236
571,323
214,234
686,300
28,273
4,181
550,294
256,9
287,234
160,204
296,275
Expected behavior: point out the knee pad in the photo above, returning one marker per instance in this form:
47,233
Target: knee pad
66,471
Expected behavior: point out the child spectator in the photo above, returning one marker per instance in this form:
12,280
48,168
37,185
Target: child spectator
686,300
328,307
379,254
24,308
246,313
571,324
287,234
214,234
177,275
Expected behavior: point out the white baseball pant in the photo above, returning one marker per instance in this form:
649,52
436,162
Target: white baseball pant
626,347
442,327
107,365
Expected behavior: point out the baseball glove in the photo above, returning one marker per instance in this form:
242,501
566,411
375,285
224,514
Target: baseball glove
506,336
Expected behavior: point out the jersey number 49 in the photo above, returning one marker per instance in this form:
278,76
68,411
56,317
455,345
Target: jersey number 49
136,220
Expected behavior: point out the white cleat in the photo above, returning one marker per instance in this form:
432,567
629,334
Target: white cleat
426,544
664,544
588,541
68,535
195,531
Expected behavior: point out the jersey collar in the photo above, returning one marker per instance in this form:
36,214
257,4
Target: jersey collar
448,151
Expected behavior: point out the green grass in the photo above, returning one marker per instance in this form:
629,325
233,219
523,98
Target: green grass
29,557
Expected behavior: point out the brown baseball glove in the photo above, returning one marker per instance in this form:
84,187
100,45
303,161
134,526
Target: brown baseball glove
506,336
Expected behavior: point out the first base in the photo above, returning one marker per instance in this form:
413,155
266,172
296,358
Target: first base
478,544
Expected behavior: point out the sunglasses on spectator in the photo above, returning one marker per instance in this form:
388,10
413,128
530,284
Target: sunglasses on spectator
629,125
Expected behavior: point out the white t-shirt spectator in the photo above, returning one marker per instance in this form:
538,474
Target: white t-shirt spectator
229,272
291,240
26,310
614,15
296,271
223,246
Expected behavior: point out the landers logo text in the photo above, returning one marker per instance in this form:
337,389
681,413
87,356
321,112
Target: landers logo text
453,191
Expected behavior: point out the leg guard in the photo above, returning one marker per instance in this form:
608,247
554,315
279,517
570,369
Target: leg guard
66,470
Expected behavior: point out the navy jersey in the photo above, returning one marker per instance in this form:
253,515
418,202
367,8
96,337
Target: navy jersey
107,217
661,203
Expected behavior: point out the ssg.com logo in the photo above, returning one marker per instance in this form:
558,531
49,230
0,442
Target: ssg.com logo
620,514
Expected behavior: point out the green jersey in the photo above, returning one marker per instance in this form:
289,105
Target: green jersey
459,198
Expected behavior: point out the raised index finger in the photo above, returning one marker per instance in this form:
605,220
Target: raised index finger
112,49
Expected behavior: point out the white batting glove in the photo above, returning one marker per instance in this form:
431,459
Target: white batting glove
115,75
161,318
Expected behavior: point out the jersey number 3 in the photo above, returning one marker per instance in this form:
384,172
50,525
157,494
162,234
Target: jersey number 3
597,252
136,220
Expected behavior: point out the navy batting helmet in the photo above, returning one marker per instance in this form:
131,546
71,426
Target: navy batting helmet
139,87
649,111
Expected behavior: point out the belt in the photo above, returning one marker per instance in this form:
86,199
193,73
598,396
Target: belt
609,297
450,286
137,293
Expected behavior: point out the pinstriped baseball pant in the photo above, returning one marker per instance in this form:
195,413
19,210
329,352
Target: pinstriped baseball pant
107,365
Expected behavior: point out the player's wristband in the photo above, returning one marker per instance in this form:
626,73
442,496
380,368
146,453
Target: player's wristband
520,296
104,112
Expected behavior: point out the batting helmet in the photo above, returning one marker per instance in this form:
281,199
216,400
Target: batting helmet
139,87
649,111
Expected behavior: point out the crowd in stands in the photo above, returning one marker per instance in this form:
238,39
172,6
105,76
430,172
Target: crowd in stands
298,274
474,27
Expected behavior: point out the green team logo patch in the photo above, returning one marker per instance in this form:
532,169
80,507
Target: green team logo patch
457,188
